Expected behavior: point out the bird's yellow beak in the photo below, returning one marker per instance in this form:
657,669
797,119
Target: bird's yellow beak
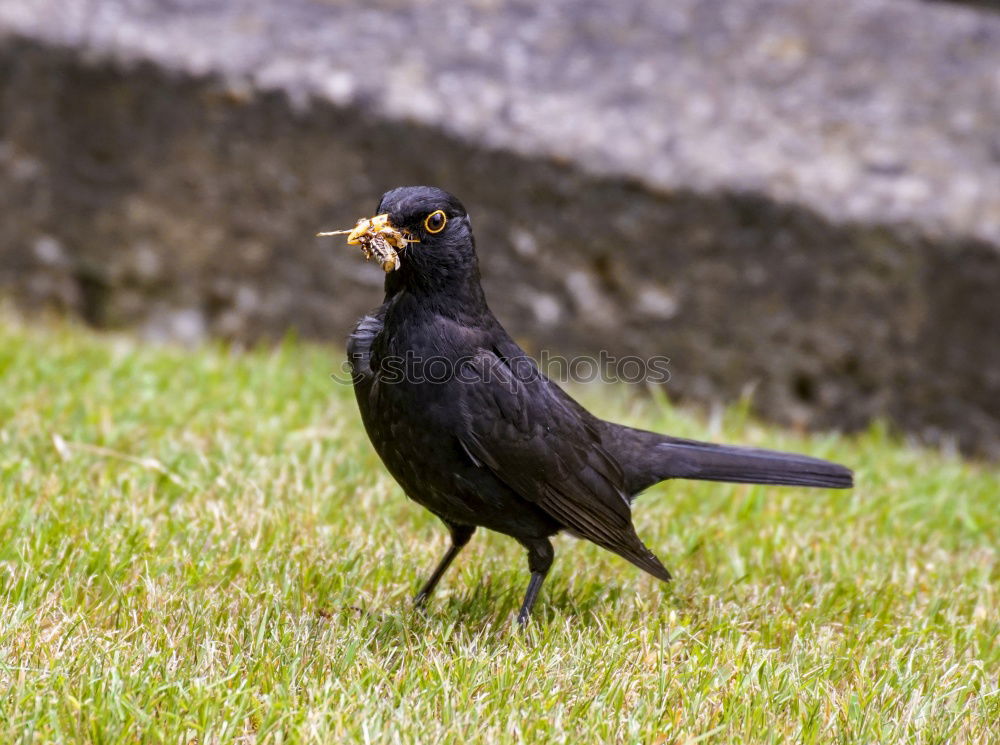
378,238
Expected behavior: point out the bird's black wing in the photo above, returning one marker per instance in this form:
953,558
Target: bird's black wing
547,448
359,344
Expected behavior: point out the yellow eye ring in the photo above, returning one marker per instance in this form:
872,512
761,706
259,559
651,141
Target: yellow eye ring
435,221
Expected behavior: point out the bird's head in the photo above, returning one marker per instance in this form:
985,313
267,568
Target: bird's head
421,236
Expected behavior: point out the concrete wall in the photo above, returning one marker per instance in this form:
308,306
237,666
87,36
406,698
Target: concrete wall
803,198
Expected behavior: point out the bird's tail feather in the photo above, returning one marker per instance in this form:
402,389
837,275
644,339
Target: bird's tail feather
690,459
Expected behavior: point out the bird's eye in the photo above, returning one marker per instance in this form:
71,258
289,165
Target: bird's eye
434,222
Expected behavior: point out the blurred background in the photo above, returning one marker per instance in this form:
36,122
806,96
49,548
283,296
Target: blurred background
795,200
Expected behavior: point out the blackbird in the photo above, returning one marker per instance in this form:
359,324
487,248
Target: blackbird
472,430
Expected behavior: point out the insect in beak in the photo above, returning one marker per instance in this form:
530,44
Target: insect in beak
379,240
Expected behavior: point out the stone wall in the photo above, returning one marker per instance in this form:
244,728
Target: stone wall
798,198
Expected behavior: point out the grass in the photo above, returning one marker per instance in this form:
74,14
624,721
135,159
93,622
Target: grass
201,547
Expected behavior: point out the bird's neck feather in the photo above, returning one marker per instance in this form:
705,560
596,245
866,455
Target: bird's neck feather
453,291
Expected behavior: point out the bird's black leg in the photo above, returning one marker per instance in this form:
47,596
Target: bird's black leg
540,557
460,535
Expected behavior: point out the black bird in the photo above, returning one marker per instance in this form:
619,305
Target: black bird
473,431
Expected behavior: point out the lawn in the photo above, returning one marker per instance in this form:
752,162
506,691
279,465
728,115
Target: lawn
201,547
